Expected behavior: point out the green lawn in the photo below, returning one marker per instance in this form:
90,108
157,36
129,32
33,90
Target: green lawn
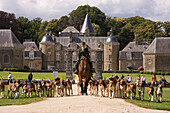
153,105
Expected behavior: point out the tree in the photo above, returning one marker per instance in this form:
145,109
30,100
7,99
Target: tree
63,23
53,27
96,29
126,35
42,31
77,16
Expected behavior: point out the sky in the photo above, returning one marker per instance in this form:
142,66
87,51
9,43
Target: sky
157,10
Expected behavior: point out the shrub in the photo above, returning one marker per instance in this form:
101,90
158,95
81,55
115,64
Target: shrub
15,69
151,72
158,73
1,69
162,73
130,68
167,73
147,72
141,72
155,73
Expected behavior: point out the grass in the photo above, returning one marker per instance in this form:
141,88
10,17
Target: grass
165,105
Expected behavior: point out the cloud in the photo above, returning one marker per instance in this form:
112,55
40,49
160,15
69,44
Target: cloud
49,9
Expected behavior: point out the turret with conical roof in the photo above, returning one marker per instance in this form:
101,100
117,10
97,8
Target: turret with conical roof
111,53
111,38
47,38
87,28
47,46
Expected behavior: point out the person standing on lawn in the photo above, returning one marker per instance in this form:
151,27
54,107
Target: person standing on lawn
9,78
30,76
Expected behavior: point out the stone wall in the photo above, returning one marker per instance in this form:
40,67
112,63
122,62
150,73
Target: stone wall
16,57
123,64
113,50
149,63
37,63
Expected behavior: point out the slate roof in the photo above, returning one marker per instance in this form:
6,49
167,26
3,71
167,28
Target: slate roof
142,46
8,39
30,46
133,51
70,29
87,26
111,38
47,38
159,45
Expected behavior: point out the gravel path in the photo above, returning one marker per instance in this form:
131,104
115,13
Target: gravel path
78,104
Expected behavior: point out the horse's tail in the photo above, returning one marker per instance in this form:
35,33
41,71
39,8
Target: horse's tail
2,80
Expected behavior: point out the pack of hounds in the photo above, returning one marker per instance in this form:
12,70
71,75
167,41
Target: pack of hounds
58,87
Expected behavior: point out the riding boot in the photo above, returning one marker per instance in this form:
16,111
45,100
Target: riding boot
91,67
76,71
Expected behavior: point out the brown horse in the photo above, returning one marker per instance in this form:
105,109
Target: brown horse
84,73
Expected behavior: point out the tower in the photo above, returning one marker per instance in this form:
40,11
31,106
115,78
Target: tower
111,52
47,47
87,28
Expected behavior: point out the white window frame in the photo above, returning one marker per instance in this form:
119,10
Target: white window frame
31,65
31,54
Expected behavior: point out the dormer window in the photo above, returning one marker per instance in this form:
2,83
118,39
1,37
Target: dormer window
129,47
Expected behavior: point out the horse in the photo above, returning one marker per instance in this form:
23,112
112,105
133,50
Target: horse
84,73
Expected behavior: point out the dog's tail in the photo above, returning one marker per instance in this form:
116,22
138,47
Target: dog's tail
2,80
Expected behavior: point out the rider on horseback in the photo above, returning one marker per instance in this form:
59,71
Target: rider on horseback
82,52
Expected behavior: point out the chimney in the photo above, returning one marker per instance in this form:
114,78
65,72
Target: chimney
136,39
71,38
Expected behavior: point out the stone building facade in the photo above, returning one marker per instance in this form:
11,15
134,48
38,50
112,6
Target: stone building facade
132,55
54,48
157,56
11,50
32,55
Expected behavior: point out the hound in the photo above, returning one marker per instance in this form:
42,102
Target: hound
18,85
150,93
42,87
12,89
118,91
90,87
2,87
95,87
131,90
52,85
158,92
123,88
24,89
48,88
39,89
141,90
57,83
103,87
69,87
111,87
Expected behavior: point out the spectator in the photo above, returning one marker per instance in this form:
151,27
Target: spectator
116,77
122,77
30,76
163,78
154,79
143,80
160,80
129,79
9,78
111,76
138,79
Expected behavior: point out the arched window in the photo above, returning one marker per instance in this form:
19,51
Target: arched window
6,59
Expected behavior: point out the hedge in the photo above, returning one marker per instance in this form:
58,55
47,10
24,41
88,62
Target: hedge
155,73
15,69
